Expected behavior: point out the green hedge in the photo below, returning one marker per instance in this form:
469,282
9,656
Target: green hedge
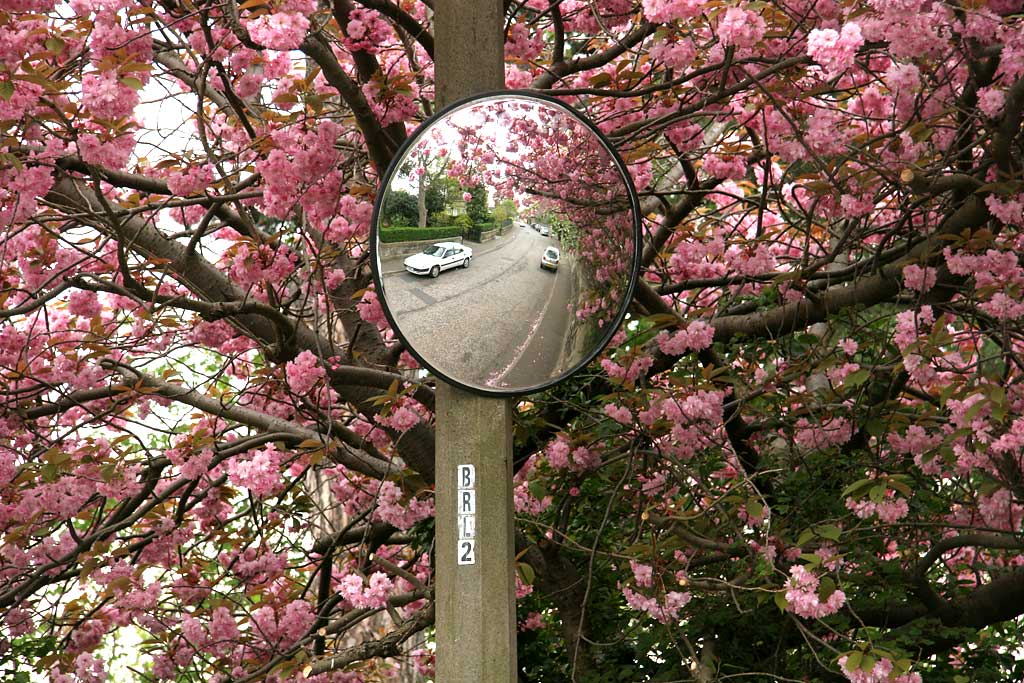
409,234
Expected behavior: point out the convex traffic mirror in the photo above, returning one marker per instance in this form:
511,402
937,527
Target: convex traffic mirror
506,243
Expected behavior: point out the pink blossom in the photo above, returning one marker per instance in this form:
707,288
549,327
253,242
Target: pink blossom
278,31
533,621
370,309
835,51
642,573
105,151
907,324
84,303
558,453
1009,211
698,335
618,413
192,180
917,278
670,10
802,595
403,419
731,167
890,509
637,367
833,431
106,97
664,611
261,473
742,28
304,372
90,669
991,101
881,672
676,55
372,595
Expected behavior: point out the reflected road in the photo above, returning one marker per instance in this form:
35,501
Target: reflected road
499,323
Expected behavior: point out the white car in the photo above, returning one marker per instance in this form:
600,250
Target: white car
437,257
550,258
545,230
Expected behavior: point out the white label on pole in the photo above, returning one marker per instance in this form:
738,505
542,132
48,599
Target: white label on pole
467,527
467,552
466,477
465,504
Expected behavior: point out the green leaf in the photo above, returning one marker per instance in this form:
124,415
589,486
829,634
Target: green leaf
857,488
805,537
853,661
780,601
877,493
754,507
6,90
132,82
856,378
54,44
875,426
526,573
829,531
811,559
826,588
867,663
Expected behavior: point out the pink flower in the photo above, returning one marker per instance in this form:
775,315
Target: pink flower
881,672
84,303
618,413
697,335
106,97
917,278
642,573
802,595
835,51
261,474
558,453
670,10
278,31
466,196
741,28
304,372
991,101
192,180
532,622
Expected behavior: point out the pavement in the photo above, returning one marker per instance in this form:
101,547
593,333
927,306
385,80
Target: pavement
499,323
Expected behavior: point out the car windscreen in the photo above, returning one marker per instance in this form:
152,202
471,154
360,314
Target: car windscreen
551,253
434,250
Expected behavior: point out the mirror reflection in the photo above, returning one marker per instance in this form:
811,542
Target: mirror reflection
505,243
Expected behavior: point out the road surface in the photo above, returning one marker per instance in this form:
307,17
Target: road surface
499,323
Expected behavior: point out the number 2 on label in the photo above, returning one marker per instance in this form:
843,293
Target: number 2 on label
467,552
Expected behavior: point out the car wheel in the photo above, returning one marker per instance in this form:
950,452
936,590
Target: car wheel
435,271
465,264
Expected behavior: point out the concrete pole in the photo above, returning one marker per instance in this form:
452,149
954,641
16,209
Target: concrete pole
474,545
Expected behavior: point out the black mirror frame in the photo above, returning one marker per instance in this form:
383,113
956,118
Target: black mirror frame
637,240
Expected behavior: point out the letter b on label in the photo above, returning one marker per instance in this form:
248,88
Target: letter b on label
467,476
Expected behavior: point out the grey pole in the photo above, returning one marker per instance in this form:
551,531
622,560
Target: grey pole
475,599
